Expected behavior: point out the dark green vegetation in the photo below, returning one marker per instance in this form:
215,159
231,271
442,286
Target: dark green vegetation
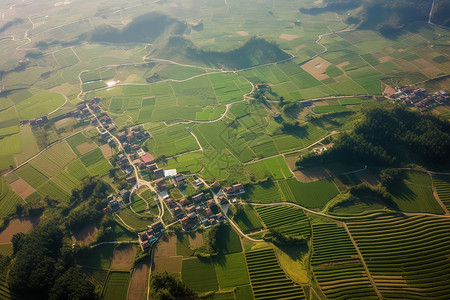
41,269
382,134
256,51
143,29
167,286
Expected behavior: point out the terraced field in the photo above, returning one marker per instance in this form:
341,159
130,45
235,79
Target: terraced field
5,293
336,264
268,279
408,257
442,186
8,199
286,219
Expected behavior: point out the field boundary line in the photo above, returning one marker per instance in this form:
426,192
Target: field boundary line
369,276
43,150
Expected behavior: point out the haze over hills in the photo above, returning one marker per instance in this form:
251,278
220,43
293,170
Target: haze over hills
143,29
385,15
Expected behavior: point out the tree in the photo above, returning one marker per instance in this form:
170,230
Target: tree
73,284
167,286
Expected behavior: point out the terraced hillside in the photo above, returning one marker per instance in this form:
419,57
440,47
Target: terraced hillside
268,279
442,186
286,219
337,266
408,257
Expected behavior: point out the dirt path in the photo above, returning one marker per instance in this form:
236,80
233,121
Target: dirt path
293,151
364,263
196,139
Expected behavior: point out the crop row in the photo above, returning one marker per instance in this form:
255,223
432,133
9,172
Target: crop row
5,293
331,243
288,220
268,279
344,281
8,199
442,185
414,251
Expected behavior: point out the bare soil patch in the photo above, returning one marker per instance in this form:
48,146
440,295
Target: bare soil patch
385,59
242,33
18,225
426,67
22,188
288,37
389,91
138,283
106,151
168,264
86,235
86,147
167,246
317,68
123,258
320,103
343,64
196,240
312,174
300,47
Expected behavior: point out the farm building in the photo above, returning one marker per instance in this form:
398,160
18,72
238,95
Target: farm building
236,189
147,158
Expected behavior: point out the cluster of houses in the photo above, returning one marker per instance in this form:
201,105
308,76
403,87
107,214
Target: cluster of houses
148,237
38,121
116,202
418,97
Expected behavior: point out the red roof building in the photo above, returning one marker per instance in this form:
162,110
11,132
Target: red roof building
147,158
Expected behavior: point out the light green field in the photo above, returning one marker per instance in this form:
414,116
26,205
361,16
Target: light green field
8,199
231,271
40,104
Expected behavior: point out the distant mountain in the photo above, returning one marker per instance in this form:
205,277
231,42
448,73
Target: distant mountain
387,16
143,29
255,51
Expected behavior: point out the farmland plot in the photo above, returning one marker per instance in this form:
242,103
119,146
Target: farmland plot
116,286
409,258
336,264
313,194
267,278
286,219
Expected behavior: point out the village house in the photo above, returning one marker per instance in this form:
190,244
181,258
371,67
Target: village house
147,158
131,180
171,203
153,167
198,198
124,194
177,212
179,180
161,185
236,189
184,202
158,173
105,120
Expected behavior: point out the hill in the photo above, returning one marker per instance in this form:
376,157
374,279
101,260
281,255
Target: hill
255,51
143,29
387,16
396,136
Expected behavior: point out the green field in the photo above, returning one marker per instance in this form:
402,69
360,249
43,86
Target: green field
231,270
99,257
8,199
39,104
199,275
268,279
275,168
116,286
228,241
286,219
442,186
335,263
248,219
313,195
406,247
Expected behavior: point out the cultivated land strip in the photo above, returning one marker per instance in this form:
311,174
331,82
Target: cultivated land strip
363,262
